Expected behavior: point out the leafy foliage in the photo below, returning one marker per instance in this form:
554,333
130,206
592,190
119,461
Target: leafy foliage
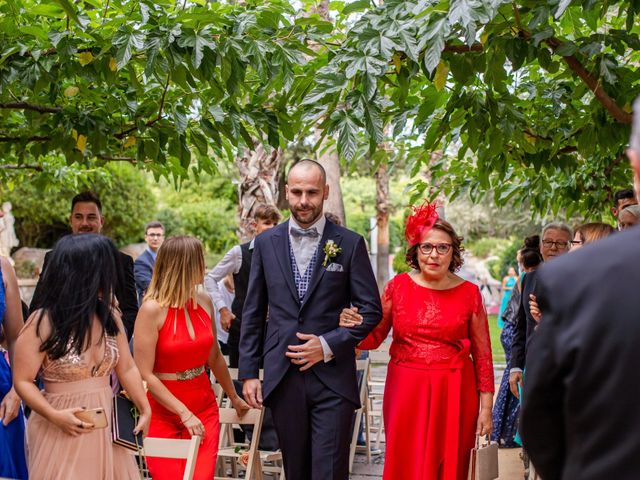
529,100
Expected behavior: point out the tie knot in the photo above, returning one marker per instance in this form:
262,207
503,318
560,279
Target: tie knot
309,232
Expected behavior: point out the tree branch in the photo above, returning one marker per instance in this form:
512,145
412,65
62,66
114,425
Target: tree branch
37,168
110,158
30,106
129,130
450,48
24,139
593,83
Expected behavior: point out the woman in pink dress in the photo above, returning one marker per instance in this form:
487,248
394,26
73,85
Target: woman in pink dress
439,389
75,341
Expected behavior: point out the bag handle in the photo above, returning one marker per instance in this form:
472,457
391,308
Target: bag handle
487,441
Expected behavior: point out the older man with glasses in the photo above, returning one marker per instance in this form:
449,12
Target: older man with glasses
555,241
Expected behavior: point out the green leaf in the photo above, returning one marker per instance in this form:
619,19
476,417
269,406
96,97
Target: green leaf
347,134
70,10
356,6
127,41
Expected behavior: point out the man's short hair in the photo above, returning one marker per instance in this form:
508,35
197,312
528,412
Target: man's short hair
154,224
622,195
557,226
87,197
307,162
267,213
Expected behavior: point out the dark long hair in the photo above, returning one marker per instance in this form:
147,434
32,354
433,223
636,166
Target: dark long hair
77,285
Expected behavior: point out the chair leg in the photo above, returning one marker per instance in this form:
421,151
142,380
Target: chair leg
367,434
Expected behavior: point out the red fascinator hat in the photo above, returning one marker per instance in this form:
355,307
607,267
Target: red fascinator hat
421,220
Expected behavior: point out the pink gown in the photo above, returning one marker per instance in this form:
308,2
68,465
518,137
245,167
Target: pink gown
431,399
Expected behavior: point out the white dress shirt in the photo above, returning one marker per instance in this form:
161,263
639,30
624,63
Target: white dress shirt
230,264
228,297
303,250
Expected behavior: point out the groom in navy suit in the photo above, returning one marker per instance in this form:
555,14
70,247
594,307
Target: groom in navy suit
303,273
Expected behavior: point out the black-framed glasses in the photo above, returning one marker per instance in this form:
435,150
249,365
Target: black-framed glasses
441,248
559,245
576,243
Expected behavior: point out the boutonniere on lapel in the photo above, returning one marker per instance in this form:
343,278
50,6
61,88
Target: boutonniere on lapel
331,251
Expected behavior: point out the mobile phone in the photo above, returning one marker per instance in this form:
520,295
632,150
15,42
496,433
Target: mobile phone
96,416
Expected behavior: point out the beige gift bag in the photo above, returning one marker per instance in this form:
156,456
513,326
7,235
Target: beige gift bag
483,463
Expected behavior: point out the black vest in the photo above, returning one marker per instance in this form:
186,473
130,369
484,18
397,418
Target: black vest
241,281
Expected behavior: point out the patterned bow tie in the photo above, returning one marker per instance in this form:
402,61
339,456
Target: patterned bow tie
300,233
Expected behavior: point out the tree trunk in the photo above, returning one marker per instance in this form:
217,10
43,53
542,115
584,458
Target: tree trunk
382,225
258,184
328,156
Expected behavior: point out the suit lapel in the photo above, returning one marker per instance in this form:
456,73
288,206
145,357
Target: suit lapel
280,241
330,233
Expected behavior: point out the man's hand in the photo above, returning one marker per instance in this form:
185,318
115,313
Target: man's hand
534,309
515,379
252,392
307,354
226,317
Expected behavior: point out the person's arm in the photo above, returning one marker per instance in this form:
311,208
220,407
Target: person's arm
218,365
145,339
543,405
129,377
254,316
365,297
28,360
483,364
229,265
142,273
380,333
126,294
516,363
12,324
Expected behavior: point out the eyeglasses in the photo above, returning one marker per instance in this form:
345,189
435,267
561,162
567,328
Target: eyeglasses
575,243
155,235
558,245
441,248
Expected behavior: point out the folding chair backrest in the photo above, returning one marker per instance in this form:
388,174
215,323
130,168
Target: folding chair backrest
175,448
363,366
229,416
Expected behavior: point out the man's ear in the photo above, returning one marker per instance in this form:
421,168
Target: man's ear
614,210
286,191
326,191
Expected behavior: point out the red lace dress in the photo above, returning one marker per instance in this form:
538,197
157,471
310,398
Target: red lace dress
177,351
431,399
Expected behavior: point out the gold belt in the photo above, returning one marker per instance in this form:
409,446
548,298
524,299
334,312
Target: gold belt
189,374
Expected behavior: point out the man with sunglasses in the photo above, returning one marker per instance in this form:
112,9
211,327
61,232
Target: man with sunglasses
555,241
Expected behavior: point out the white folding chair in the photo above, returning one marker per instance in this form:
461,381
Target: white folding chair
174,448
361,366
227,448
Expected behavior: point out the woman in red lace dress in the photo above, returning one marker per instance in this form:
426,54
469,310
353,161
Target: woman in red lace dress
173,341
439,389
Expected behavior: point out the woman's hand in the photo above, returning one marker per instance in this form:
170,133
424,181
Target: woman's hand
193,424
143,423
66,421
485,422
9,407
349,317
240,405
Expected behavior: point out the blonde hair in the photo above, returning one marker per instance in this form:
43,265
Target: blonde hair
590,232
178,270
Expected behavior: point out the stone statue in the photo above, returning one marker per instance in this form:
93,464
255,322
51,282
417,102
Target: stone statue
8,238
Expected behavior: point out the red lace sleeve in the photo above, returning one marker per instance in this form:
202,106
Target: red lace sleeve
481,346
378,334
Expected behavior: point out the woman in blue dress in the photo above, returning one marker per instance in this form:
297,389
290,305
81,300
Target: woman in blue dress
508,284
13,462
507,407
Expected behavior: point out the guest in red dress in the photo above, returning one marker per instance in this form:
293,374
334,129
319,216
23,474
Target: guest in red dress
173,341
440,358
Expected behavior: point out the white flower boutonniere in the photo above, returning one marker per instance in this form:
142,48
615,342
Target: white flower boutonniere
331,251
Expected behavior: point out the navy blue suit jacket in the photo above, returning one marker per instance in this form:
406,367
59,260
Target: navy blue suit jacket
272,289
142,271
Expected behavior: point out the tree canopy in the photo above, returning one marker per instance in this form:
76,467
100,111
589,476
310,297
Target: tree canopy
529,100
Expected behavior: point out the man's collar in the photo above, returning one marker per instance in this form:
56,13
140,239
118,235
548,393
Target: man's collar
319,224
153,254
